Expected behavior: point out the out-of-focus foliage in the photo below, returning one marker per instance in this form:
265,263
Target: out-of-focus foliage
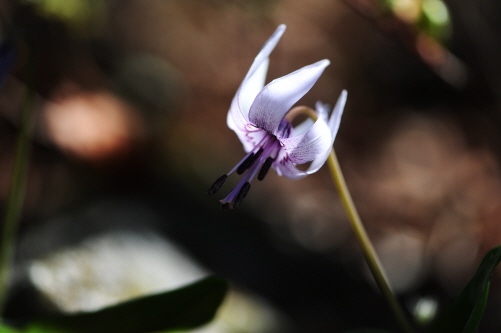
184,308
7,57
85,17
419,144
429,16
466,312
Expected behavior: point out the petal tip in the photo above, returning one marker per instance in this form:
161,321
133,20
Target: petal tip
342,99
324,63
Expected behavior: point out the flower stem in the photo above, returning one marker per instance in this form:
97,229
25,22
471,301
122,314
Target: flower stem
369,253
15,196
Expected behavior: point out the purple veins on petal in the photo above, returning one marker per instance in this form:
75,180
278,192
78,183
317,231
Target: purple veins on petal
278,96
257,116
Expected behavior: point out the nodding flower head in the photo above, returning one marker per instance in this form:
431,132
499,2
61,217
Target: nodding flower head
257,115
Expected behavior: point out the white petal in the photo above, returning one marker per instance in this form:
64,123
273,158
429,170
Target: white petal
303,127
278,96
266,49
334,122
256,76
322,110
250,136
309,145
287,169
253,82
335,119
251,86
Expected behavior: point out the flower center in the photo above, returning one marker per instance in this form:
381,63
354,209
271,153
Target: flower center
260,158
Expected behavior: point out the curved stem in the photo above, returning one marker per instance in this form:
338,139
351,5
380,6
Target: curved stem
16,196
370,254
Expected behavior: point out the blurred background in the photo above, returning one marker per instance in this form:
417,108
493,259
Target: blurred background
130,131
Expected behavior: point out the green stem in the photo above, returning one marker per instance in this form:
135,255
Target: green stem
370,254
16,196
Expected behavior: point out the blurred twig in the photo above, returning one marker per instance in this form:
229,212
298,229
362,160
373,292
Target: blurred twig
16,192
427,48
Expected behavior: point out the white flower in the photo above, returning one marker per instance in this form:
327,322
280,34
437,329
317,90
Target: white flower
257,116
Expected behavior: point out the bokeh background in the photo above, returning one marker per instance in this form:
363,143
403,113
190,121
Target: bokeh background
130,131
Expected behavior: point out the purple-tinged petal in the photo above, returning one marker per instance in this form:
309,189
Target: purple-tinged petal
256,76
334,122
266,50
250,136
278,96
335,119
322,110
238,114
251,86
302,127
309,145
287,169
237,118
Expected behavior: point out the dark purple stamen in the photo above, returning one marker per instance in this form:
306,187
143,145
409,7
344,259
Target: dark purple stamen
249,161
241,195
265,168
217,185
245,164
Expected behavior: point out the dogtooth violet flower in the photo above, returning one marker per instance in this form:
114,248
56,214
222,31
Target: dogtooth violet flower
257,115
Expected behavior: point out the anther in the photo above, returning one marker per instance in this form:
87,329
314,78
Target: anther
249,161
241,195
265,168
255,157
225,206
242,167
217,185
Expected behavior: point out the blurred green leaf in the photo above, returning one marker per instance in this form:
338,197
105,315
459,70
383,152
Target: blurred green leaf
368,330
85,17
465,313
183,308
7,329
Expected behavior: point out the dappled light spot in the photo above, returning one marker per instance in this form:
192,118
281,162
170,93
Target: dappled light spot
92,125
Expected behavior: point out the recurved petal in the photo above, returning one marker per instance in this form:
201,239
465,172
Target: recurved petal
309,145
334,122
335,119
266,49
248,134
256,76
322,111
251,86
237,118
278,96
287,169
